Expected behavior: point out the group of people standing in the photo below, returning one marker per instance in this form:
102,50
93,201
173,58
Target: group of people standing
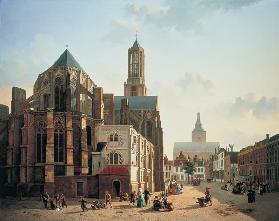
140,197
174,188
60,201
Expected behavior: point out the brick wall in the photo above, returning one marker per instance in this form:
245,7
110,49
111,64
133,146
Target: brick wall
106,184
68,185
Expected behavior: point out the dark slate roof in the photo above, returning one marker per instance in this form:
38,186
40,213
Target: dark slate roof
136,44
66,60
137,102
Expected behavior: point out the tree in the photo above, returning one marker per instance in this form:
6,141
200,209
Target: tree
189,168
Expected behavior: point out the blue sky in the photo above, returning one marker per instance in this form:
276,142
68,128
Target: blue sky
216,57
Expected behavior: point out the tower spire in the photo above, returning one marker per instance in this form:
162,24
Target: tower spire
135,85
198,134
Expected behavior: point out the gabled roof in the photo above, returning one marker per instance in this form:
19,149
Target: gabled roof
137,102
66,59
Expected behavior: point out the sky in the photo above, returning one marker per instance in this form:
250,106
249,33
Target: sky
216,57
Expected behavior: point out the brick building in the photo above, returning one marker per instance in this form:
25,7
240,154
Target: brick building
252,161
209,167
272,173
51,134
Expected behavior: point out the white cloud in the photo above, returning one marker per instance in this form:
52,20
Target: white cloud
259,106
181,15
196,84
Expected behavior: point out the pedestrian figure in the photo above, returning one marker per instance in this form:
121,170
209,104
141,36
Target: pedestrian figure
147,197
45,198
140,199
51,204
261,189
108,199
57,199
251,196
63,200
83,204
133,198
207,196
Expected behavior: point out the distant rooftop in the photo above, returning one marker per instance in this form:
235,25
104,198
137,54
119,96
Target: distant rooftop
66,59
195,146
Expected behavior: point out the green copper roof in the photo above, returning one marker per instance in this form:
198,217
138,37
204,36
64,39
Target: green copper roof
66,60
137,102
273,138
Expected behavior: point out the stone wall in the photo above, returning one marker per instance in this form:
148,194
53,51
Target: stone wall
108,109
98,103
4,112
18,100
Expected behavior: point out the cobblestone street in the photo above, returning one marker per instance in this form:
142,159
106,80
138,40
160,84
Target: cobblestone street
226,206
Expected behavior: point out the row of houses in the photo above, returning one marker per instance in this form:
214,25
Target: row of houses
175,169
255,163
260,162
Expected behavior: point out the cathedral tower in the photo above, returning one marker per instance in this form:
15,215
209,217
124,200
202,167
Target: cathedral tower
135,85
198,134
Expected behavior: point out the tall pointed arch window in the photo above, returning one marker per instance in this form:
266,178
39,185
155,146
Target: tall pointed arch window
41,140
59,140
60,101
59,145
88,135
77,145
148,130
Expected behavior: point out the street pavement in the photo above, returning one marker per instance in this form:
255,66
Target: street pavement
266,207
226,206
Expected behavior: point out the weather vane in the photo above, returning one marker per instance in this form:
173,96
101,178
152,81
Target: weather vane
67,46
136,35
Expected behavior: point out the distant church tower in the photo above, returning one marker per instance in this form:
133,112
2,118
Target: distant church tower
135,85
198,134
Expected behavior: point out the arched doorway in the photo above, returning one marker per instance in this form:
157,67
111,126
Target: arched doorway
116,188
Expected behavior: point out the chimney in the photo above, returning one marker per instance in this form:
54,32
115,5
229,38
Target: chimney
267,136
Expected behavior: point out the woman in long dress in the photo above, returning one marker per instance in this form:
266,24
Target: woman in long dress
140,199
